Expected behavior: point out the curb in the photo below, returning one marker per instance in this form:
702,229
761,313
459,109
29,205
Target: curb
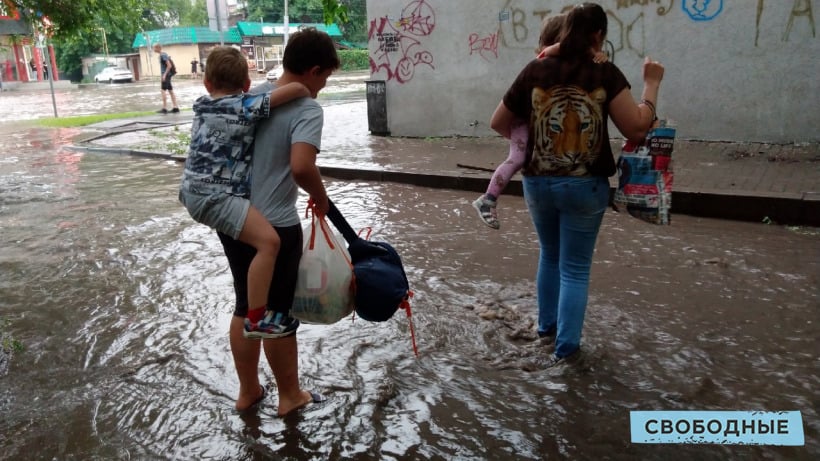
131,152
789,209
783,208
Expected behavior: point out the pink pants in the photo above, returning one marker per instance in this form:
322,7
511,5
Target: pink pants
515,160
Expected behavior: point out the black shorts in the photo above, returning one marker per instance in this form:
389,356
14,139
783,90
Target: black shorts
283,286
166,84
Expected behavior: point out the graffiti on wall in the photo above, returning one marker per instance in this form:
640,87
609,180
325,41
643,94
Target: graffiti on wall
626,25
801,11
518,28
513,29
399,47
702,10
486,47
664,6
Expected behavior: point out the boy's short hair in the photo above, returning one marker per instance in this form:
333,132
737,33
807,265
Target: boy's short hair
550,30
308,48
227,69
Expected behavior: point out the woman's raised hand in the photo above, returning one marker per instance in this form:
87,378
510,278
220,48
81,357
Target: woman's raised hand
652,71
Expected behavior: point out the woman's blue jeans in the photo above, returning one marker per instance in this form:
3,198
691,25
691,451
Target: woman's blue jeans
566,213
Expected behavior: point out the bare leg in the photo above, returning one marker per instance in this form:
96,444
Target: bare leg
258,233
164,100
173,99
246,361
282,355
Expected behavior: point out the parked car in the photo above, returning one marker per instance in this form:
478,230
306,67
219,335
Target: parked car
114,74
274,74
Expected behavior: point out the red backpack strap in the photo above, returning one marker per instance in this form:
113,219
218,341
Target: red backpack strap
369,231
405,304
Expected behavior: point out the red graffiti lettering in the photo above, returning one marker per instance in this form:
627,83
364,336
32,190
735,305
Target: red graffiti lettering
399,49
486,47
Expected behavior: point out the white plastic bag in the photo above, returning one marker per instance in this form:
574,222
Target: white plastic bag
324,285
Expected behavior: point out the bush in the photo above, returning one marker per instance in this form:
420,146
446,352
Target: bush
354,59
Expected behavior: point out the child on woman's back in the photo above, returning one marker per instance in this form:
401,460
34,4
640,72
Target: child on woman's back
486,204
215,184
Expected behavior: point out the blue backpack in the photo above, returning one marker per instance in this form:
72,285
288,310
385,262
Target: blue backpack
381,283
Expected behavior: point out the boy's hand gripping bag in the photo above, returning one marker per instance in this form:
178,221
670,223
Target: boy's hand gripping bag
645,177
324,285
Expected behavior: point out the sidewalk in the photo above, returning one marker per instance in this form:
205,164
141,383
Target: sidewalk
756,182
740,181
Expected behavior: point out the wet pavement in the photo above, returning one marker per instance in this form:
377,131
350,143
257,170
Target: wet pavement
122,302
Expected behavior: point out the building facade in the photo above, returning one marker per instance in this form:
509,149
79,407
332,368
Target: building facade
262,43
183,45
22,58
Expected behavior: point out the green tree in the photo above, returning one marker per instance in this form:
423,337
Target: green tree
76,24
350,15
334,11
70,50
71,17
298,10
177,13
196,16
355,28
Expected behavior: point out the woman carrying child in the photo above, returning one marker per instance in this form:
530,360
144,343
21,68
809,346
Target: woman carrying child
567,101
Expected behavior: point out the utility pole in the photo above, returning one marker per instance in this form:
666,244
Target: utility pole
148,53
41,42
285,35
219,22
105,42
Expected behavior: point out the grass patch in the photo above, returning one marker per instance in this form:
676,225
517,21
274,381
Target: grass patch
83,120
173,140
7,343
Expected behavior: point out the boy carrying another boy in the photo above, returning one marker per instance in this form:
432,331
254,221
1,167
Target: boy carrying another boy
215,186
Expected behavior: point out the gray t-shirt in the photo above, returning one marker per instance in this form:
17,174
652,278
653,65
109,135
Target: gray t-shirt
163,61
273,190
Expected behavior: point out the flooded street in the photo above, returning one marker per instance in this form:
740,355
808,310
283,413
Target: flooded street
122,304
90,99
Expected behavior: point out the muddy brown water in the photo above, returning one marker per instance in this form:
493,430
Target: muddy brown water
122,304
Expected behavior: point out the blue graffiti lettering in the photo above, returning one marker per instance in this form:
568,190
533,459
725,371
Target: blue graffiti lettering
702,10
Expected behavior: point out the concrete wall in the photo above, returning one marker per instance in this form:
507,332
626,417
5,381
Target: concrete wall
736,70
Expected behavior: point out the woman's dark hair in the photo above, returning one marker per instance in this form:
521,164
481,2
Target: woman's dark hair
308,48
577,35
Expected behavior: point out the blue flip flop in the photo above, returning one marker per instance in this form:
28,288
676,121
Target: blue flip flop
316,399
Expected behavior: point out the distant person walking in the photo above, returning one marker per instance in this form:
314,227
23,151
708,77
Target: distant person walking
194,68
167,70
